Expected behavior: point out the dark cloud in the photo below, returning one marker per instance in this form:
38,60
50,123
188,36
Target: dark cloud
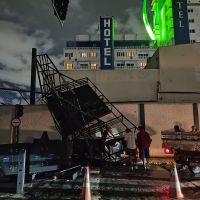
38,15
12,93
27,24
2,66
23,60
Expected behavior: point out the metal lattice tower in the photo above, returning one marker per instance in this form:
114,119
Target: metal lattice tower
78,107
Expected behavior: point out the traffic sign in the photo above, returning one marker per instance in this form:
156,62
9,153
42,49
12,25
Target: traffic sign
15,122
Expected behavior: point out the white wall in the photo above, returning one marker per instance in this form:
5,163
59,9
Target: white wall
122,85
35,120
158,117
195,15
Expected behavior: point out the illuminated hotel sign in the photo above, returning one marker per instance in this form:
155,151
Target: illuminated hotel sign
107,43
181,27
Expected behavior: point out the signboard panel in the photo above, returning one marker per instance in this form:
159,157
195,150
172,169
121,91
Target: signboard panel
181,26
107,43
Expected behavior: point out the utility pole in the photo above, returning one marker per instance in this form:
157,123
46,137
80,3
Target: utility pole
33,76
196,115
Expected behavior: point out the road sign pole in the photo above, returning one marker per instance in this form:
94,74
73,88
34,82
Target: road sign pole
15,122
21,171
14,135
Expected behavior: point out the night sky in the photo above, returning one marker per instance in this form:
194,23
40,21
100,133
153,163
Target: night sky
25,24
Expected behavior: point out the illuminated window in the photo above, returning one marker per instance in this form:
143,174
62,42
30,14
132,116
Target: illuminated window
93,54
93,66
129,54
84,54
69,66
142,65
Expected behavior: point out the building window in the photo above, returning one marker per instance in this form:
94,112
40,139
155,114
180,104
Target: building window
120,65
142,65
93,54
93,66
130,65
69,66
190,10
192,30
69,55
191,20
121,54
84,54
143,55
88,54
84,66
192,41
129,54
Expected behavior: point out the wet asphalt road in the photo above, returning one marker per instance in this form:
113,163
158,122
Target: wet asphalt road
114,182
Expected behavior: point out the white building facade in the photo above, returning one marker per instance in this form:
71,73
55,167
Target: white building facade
174,21
84,52
194,20
106,50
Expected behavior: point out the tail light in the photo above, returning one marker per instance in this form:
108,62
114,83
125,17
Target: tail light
168,150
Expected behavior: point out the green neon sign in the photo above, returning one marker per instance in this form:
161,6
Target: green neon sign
146,21
163,27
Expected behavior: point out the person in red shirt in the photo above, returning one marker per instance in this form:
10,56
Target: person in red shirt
143,142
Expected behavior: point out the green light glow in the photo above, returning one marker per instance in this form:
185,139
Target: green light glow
114,26
61,22
163,22
146,21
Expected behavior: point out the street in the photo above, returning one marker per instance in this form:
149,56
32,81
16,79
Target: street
112,182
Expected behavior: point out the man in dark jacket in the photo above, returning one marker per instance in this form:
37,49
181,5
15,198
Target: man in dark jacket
143,142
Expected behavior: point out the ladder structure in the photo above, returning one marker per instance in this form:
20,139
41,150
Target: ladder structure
78,107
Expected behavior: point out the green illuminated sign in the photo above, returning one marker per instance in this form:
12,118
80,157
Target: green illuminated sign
163,26
146,21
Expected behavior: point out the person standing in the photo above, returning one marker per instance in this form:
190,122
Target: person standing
143,142
194,129
106,140
131,148
45,137
177,128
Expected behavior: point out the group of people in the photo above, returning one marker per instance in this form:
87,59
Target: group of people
194,129
140,142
